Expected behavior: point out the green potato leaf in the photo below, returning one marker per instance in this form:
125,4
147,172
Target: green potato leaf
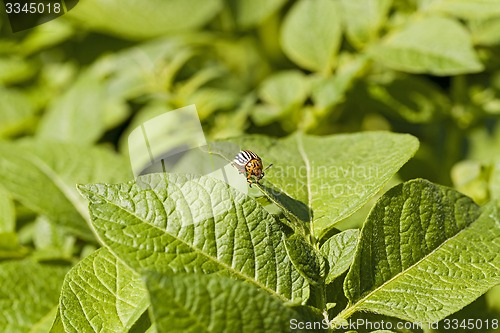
424,253
179,223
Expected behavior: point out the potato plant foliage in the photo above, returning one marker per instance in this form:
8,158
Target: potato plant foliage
380,212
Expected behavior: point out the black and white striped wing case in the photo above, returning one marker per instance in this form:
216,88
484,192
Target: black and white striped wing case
242,159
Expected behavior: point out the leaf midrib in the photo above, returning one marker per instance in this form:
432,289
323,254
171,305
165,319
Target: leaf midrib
303,155
195,250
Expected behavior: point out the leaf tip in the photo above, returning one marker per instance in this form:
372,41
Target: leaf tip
84,190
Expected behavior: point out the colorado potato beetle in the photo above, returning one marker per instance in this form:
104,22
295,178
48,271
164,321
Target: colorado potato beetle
246,161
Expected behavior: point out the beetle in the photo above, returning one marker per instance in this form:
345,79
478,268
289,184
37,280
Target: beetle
246,161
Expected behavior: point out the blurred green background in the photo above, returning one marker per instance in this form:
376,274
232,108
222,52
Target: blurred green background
430,68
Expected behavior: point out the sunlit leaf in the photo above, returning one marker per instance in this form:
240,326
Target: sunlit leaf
425,252
178,223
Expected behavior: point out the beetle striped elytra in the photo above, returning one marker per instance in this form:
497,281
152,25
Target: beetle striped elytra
246,161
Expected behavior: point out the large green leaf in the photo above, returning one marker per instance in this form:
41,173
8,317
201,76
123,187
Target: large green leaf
101,294
332,175
28,293
424,252
311,34
195,302
434,45
140,20
43,174
178,223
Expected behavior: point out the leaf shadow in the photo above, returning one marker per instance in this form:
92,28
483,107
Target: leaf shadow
293,209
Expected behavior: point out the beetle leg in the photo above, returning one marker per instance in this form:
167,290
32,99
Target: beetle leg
249,174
